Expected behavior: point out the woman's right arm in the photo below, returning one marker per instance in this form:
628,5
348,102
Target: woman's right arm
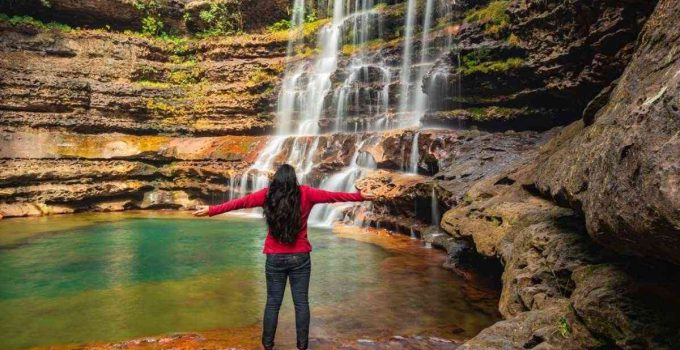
255,199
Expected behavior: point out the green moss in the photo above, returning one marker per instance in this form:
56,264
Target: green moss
186,73
30,21
493,112
484,114
467,199
380,7
153,84
278,26
179,45
493,17
350,49
481,61
311,28
260,76
513,39
161,108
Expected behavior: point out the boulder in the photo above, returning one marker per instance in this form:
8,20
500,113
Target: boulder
622,171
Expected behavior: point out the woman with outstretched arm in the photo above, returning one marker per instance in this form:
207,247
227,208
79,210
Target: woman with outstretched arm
286,209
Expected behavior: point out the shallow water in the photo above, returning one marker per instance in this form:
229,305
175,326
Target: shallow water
108,277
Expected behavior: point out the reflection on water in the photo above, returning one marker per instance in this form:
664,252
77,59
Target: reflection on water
108,277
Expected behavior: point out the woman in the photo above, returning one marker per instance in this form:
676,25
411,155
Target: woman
286,208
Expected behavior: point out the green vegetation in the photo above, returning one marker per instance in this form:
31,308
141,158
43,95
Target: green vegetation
493,17
309,24
564,327
513,39
30,21
492,66
380,6
350,49
310,28
260,76
485,114
222,18
283,24
482,61
152,84
151,22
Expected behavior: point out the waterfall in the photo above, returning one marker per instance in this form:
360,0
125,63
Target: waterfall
434,203
324,215
343,88
419,95
407,52
296,22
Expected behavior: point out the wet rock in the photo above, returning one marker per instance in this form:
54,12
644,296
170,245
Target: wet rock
636,304
622,171
550,328
547,258
19,209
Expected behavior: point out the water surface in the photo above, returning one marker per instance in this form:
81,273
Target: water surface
108,277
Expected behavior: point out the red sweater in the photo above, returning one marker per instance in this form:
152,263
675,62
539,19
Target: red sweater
308,197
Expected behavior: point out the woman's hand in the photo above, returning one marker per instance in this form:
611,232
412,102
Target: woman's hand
201,210
369,196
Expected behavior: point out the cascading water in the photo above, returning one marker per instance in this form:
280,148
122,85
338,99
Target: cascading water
324,215
434,203
405,76
330,94
415,155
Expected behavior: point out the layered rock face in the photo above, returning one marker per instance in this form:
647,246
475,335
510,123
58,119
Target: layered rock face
65,92
94,81
532,64
61,172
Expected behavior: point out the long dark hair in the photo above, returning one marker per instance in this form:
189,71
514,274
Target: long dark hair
282,206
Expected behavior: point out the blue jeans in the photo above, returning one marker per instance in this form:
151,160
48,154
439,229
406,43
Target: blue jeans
279,268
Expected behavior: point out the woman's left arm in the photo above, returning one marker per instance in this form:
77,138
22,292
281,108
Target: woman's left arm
255,199
321,196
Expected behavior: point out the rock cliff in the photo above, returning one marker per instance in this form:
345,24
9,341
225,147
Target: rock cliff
611,176
621,169
533,64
